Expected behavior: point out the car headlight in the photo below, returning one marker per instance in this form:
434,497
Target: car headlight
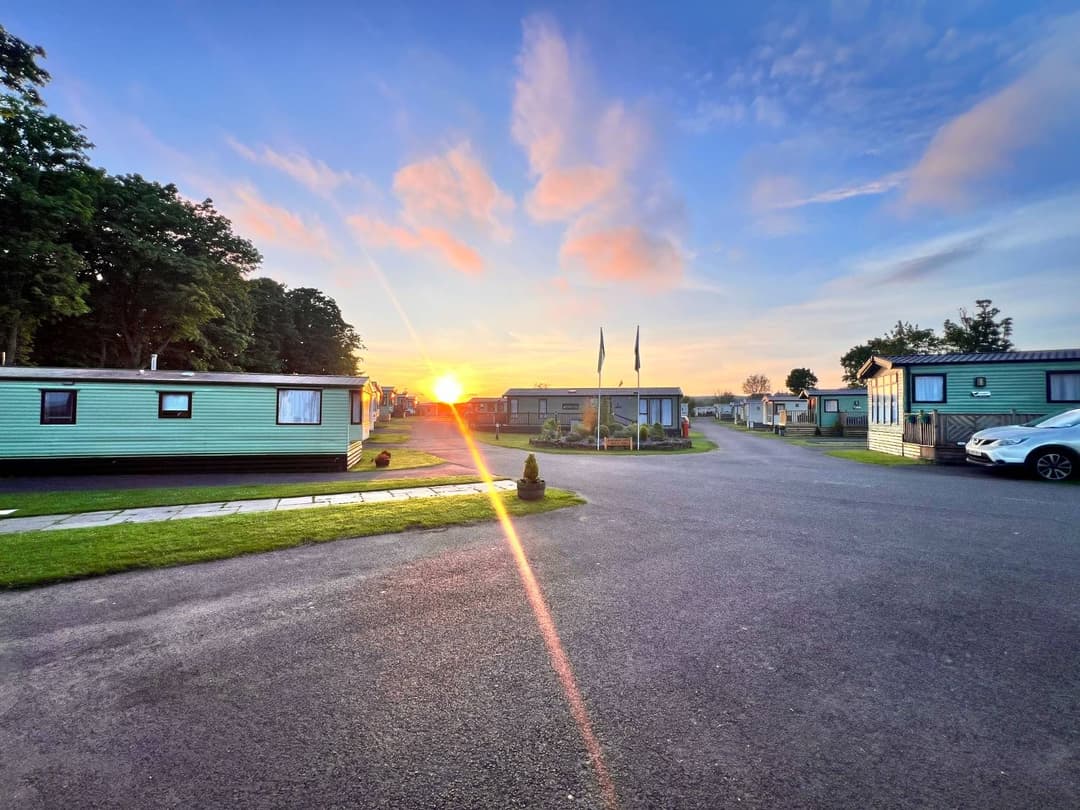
1009,442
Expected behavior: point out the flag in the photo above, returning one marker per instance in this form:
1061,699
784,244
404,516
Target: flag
637,350
600,361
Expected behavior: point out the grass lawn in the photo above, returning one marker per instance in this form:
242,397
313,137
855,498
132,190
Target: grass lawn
29,504
388,437
875,457
401,458
40,558
520,441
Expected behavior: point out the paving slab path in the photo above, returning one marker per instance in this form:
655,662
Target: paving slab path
155,514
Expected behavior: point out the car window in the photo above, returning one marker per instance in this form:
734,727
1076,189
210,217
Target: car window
1066,419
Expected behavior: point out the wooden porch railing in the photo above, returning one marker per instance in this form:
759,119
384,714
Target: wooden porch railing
951,429
785,417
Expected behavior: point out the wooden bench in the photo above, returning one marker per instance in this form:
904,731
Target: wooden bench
614,444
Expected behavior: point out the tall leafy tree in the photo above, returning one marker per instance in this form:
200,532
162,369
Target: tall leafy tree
45,189
324,342
166,275
756,384
904,338
800,378
980,331
273,329
19,71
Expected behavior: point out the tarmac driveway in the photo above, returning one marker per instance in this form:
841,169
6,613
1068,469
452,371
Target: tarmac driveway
761,626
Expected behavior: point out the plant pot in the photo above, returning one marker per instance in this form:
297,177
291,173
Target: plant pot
531,490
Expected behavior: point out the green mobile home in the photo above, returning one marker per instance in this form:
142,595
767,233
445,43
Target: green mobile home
928,405
837,411
64,420
528,408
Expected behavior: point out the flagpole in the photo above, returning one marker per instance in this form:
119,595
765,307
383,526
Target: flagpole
599,385
637,368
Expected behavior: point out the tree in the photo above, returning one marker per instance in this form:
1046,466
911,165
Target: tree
324,343
45,189
19,71
273,328
979,332
800,378
756,384
165,276
725,397
902,339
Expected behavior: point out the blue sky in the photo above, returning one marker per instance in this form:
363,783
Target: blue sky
481,188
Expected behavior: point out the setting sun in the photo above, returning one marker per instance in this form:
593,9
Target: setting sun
448,389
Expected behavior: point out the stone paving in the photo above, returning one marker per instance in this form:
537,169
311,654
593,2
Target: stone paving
154,514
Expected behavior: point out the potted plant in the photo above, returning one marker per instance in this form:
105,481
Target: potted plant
531,487
924,417
383,459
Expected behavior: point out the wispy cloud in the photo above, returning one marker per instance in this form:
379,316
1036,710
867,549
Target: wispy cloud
869,188
438,193
455,186
268,223
313,174
984,142
592,162
436,241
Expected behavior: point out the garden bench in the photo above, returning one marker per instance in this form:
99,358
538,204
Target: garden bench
626,444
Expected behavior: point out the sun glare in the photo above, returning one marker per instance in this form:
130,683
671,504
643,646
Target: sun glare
448,389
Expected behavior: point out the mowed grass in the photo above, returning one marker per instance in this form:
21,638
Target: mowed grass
401,458
874,457
520,441
388,437
29,504
40,558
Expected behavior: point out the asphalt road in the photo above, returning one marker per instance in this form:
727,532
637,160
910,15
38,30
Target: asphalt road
761,626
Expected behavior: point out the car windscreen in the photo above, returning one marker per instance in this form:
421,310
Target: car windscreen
1064,419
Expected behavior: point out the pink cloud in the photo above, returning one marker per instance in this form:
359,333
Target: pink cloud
1039,107
436,240
593,165
255,217
454,186
561,193
309,172
626,254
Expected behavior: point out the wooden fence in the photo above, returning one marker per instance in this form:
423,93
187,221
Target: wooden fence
951,429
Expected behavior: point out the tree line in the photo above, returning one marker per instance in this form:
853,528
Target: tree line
104,270
980,331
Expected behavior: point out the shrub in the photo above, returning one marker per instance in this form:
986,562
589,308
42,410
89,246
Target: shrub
656,432
550,431
622,433
643,433
532,470
605,431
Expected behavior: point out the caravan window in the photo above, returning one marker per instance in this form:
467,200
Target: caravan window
299,406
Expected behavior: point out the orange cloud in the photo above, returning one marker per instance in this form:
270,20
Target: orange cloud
457,254
561,193
256,217
455,186
626,254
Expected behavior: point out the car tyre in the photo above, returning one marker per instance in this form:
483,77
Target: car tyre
1053,464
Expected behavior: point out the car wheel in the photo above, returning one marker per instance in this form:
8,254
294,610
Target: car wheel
1053,464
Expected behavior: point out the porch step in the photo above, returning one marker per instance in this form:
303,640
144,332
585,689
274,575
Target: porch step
799,430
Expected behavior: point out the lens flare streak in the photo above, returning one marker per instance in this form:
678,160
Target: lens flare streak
557,655
559,660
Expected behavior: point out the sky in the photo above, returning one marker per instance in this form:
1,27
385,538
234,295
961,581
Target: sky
483,186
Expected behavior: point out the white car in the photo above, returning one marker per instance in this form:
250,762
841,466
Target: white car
1049,446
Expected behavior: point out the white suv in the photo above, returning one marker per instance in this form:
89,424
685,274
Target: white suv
1048,446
